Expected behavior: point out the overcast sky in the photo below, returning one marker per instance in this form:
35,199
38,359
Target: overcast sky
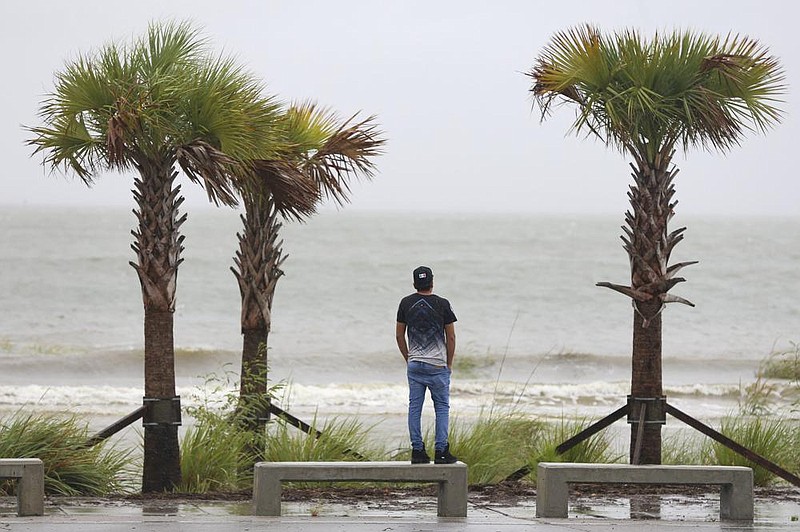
445,79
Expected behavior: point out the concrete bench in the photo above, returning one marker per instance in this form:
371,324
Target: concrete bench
736,483
29,473
452,480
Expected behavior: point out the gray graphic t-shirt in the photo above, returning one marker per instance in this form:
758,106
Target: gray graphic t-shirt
425,317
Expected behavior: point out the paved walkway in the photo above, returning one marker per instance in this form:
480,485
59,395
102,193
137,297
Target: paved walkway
586,515
355,524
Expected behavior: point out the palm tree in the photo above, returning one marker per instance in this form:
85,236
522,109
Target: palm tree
323,154
646,99
162,103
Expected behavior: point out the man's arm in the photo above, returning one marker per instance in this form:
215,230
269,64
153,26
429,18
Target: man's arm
450,340
400,336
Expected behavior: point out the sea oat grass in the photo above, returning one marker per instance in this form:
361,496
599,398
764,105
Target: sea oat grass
782,365
774,438
470,363
219,452
495,446
682,447
216,456
219,455
70,467
595,449
341,439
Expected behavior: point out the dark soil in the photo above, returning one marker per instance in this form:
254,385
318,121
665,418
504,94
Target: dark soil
505,494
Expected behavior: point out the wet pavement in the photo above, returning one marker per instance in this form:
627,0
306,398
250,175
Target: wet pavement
587,513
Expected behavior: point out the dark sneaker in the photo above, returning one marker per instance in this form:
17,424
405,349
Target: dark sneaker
444,457
420,456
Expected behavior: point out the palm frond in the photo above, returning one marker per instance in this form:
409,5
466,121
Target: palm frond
224,105
320,151
293,193
346,154
307,126
170,45
210,168
645,96
162,96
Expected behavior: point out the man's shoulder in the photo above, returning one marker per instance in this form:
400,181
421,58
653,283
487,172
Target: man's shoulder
434,301
410,297
439,299
447,309
407,302
416,296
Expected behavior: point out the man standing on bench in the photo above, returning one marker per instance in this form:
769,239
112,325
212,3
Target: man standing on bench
429,322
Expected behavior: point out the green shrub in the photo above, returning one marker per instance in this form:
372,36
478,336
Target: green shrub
70,467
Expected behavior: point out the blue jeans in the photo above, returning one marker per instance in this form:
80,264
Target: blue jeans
422,376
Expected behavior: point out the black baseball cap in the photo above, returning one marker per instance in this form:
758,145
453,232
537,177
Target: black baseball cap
423,278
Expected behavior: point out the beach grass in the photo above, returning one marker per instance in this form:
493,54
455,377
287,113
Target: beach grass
494,446
682,447
219,451
502,443
468,364
782,365
216,456
774,438
345,438
595,449
71,468
6,345
337,439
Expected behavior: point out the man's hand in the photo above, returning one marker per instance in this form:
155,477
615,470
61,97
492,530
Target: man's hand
450,340
400,337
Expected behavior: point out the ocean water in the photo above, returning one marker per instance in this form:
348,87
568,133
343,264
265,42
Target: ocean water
533,329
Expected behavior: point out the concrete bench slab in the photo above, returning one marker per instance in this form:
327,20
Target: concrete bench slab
451,478
29,473
553,478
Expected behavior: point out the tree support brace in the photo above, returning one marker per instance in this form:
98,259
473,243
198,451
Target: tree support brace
593,429
116,427
654,410
732,445
161,411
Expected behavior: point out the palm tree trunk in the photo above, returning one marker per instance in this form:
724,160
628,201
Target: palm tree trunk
254,359
646,379
257,271
649,246
158,245
162,466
